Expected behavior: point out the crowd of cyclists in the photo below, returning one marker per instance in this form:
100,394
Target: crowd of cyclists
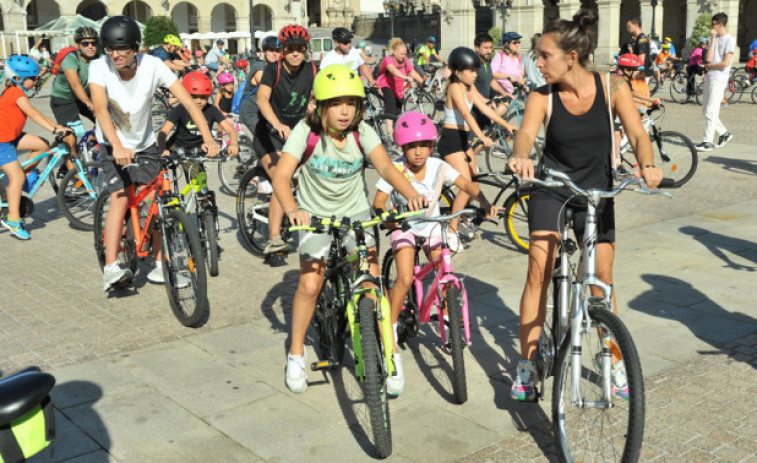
308,128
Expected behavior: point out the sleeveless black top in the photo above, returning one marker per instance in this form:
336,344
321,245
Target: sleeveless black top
580,145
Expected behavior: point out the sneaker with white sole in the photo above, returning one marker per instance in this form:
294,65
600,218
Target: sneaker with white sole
296,374
618,379
16,228
395,384
453,241
704,146
724,139
524,386
156,274
114,275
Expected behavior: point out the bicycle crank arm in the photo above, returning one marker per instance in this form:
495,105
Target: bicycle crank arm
324,365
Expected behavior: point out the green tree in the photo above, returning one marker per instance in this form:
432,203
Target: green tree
496,33
701,29
156,28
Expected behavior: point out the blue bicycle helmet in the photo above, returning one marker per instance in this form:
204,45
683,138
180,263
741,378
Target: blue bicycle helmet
22,67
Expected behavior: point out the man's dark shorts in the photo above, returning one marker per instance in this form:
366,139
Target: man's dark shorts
267,139
68,111
119,177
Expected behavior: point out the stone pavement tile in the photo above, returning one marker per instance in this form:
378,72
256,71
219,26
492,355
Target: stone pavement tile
141,425
90,381
204,385
70,442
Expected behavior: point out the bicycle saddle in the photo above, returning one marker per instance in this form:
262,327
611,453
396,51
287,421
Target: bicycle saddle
21,391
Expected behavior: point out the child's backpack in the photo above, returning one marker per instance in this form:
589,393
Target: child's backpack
59,59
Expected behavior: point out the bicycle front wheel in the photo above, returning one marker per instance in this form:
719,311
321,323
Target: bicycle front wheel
231,171
252,211
210,240
516,220
375,378
184,268
76,203
456,343
676,155
588,428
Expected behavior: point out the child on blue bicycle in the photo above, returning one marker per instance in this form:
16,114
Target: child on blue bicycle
21,73
331,183
415,133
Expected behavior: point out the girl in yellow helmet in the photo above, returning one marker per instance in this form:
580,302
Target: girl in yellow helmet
331,183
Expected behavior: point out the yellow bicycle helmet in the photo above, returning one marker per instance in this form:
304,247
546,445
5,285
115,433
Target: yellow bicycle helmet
336,81
172,40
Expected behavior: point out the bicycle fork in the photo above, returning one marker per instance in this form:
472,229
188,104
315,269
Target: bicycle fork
385,328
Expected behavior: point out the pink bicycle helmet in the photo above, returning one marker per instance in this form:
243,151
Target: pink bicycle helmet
414,126
198,53
225,78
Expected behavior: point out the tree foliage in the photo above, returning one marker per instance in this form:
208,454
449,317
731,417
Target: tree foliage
701,29
496,33
156,28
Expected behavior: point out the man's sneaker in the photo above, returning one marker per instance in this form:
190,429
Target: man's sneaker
453,240
395,384
618,379
17,228
156,274
524,388
704,146
276,246
724,139
114,275
296,378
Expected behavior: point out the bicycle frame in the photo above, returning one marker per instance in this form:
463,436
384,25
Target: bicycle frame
57,153
158,185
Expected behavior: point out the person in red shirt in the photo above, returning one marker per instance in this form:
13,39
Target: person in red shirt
21,73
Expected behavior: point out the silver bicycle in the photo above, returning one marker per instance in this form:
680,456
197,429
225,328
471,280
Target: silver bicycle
586,347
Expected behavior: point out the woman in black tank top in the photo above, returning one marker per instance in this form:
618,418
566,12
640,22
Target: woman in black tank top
577,142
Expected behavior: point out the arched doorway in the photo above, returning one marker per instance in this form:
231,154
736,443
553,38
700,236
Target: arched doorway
224,19
92,9
184,14
746,35
314,13
143,11
629,9
263,17
672,26
551,10
39,12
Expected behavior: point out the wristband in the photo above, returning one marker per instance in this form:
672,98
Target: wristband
647,166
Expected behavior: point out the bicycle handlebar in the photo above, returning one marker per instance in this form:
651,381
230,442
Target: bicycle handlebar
557,179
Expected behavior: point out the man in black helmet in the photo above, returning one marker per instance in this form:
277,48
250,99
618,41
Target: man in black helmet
344,53
122,100
69,96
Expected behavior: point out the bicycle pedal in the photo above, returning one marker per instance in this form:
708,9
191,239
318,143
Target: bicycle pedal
324,365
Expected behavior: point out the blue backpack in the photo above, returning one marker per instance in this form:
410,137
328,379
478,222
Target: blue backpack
240,97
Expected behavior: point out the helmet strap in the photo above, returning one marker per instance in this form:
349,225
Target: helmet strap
19,83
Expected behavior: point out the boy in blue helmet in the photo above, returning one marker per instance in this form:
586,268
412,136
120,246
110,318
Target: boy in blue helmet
21,74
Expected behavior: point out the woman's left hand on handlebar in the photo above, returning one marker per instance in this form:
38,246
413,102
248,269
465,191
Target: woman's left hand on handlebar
524,167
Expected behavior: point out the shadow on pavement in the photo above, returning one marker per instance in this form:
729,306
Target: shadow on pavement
739,166
717,243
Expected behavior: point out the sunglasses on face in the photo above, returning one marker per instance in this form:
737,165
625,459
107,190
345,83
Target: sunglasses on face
301,49
119,50
88,43
515,42
346,42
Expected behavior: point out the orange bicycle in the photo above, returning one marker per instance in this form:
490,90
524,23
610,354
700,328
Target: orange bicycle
183,256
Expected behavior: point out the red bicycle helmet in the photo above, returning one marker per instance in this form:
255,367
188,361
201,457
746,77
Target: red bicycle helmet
241,64
294,34
629,60
198,83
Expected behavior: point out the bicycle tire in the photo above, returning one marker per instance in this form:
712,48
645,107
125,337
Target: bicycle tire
516,220
407,323
230,172
626,418
700,93
330,322
381,126
678,87
376,101
79,206
183,258
754,93
676,155
733,91
375,378
159,110
446,199
456,343
252,213
654,85
127,252
26,208
210,240
496,158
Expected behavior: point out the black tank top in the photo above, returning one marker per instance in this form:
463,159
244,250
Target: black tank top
580,145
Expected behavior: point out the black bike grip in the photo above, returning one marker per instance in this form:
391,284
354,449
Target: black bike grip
667,183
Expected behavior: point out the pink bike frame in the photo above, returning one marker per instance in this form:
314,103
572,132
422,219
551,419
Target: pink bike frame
444,275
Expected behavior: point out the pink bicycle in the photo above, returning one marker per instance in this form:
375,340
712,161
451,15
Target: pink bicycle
446,293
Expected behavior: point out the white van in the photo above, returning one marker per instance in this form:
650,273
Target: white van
319,46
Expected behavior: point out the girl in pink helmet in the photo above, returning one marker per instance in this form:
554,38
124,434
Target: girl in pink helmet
225,94
415,133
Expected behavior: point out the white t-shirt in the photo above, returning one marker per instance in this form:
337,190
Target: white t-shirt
213,55
129,102
723,45
352,59
426,187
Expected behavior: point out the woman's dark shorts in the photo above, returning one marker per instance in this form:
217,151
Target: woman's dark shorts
267,140
544,209
143,173
392,104
68,111
453,141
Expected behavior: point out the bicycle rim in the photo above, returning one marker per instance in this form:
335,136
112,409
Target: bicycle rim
457,342
231,172
184,269
375,378
516,220
599,434
676,155
252,213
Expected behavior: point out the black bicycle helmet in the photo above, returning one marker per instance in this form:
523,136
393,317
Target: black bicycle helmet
270,43
83,33
463,58
120,31
341,35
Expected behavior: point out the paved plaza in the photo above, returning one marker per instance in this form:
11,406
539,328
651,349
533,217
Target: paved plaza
134,385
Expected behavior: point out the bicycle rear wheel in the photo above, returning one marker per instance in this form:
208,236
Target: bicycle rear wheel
456,342
516,220
654,85
127,252
231,171
733,91
76,203
678,87
676,155
252,212
375,378
601,432
380,124
330,323
700,93
184,268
